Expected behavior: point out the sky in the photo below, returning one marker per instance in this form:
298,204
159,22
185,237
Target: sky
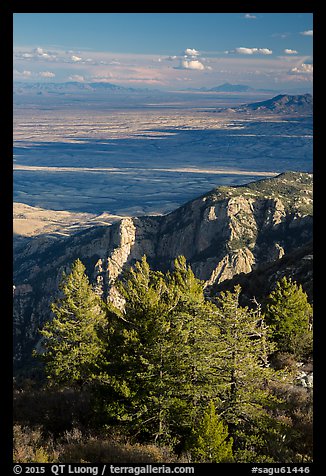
167,51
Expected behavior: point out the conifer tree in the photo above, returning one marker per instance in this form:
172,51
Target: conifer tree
243,373
210,442
289,316
142,351
162,351
195,331
75,339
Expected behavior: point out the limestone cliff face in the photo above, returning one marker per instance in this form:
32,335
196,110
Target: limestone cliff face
228,231
123,239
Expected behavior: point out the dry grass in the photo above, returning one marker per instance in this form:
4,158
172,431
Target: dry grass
31,446
60,429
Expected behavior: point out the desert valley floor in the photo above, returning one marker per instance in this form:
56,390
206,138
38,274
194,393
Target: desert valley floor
80,163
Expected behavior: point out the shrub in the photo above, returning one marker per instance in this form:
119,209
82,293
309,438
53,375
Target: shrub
95,450
30,447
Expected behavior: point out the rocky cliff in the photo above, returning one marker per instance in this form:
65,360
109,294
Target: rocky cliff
228,231
258,284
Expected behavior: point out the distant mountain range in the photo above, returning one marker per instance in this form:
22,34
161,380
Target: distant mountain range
69,87
282,103
232,88
84,87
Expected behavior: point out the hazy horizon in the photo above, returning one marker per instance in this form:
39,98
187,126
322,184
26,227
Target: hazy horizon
167,51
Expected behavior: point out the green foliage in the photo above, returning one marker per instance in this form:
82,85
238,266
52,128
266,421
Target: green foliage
73,342
210,442
243,373
287,187
264,438
177,369
289,315
160,364
242,359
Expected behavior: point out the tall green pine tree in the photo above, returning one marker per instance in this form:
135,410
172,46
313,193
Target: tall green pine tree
243,374
74,341
161,356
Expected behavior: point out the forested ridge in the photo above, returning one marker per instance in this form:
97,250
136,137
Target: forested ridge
170,375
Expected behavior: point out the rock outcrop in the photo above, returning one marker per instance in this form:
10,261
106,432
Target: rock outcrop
259,283
228,231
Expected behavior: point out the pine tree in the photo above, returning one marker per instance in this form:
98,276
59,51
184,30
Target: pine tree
289,316
75,340
210,442
195,331
243,373
169,361
161,353
142,351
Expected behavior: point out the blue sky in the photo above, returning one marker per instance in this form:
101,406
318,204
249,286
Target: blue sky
166,50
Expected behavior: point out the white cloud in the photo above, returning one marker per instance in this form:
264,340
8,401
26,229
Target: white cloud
202,69
24,74
250,16
46,74
30,74
191,52
242,51
307,33
77,77
303,68
250,51
191,64
264,51
35,54
76,58
40,53
288,51
190,60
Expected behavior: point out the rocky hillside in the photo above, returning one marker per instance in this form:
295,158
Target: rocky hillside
258,284
228,231
283,104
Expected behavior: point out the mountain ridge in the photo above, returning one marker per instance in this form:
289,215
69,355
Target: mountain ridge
69,87
225,232
286,104
232,88
282,103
